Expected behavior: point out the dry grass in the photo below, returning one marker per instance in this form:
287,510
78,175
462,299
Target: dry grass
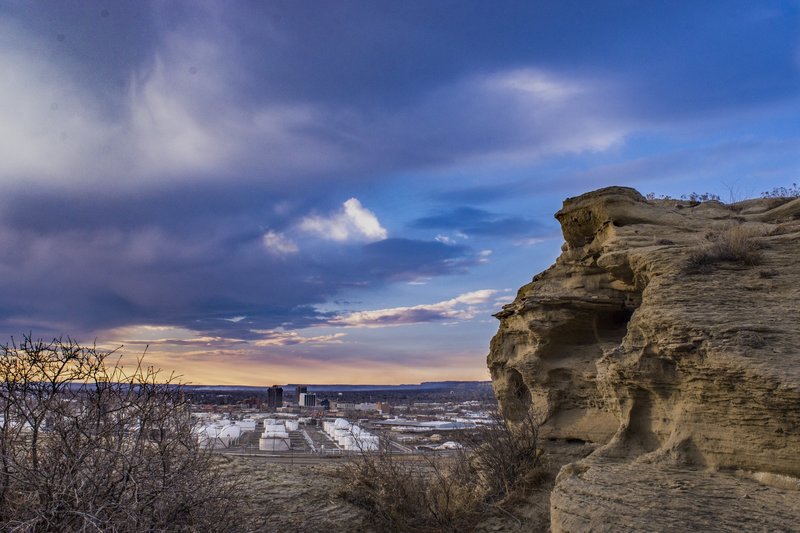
291,497
735,244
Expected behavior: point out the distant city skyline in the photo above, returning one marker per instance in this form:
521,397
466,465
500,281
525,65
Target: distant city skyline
279,192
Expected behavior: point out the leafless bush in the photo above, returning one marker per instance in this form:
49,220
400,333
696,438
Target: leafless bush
507,456
793,191
783,192
86,445
450,492
736,244
398,490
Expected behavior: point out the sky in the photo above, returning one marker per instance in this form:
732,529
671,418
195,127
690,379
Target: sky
345,192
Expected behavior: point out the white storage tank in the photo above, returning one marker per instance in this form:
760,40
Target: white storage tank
275,438
275,430
232,432
368,443
273,444
331,430
247,424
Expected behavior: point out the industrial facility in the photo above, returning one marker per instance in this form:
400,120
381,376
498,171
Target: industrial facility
333,423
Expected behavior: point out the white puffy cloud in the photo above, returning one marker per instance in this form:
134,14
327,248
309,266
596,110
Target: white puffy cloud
353,222
462,307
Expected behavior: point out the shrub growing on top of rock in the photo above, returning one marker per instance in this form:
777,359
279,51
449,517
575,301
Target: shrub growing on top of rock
696,197
735,244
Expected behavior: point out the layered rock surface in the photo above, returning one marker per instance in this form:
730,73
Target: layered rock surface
680,376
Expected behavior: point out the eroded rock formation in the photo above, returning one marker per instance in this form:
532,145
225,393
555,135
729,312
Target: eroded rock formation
679,376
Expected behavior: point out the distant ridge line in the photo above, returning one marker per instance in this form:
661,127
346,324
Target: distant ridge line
426,385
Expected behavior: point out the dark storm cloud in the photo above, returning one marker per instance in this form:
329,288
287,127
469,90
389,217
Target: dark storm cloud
388,53
361,88
201,108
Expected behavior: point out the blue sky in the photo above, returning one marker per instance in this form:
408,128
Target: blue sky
346,191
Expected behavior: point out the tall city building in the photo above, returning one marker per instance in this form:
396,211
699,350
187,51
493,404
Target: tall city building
275,396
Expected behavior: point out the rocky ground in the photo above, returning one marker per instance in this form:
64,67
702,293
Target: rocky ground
641,497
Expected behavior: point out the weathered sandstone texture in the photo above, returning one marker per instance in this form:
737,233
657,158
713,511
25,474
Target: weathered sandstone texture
687,380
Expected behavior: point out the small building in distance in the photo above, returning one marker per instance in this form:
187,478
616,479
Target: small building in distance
346,406
304,399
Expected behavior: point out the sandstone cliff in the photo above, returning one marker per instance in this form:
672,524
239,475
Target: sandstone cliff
675,361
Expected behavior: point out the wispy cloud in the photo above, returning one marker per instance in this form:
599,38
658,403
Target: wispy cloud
471,221
291,338
536,84
462,307
200,342
279,244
